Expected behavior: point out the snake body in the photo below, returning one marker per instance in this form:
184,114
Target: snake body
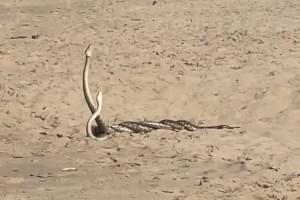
101,128
89,128
102,131
166,124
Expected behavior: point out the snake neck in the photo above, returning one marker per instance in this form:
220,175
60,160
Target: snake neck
86,89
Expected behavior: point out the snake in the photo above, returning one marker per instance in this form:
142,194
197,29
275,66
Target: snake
102,131
101,128
89,128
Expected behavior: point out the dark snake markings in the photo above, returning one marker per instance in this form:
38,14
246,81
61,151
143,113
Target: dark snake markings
166,124
101,131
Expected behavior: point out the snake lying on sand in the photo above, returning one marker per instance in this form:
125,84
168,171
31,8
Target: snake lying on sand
102,131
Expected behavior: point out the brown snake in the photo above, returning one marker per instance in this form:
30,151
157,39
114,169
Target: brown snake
101,131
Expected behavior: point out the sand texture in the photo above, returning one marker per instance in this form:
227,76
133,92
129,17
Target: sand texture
233,62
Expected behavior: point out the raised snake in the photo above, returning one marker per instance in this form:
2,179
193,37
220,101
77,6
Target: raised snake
89,128
101,128
102,131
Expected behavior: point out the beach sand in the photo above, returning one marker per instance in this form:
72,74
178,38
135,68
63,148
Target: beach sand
217,62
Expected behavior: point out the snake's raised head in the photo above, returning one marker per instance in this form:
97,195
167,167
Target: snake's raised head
88,51
99,99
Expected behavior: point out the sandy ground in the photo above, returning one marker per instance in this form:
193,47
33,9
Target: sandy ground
219,62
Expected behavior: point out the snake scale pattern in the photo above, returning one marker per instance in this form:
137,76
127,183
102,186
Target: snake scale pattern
101,131
167,124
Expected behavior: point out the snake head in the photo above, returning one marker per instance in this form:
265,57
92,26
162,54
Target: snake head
99,99
88,51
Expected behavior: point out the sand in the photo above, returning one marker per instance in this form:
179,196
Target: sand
230,62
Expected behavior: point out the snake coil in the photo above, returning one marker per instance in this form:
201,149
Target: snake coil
102,131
